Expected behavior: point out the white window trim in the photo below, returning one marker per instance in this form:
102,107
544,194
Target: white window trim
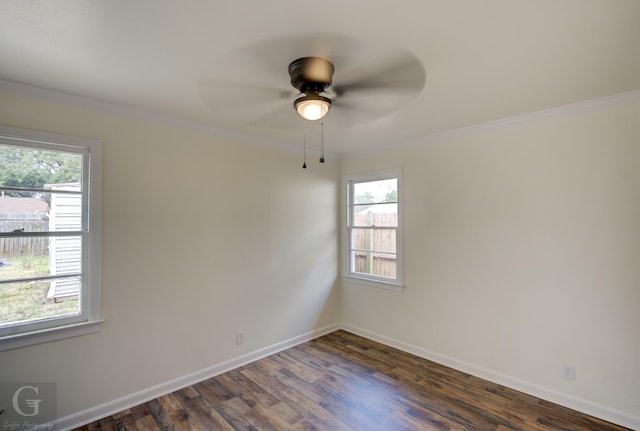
91,321
396,284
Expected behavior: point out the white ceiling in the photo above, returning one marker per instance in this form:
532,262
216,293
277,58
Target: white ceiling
484,60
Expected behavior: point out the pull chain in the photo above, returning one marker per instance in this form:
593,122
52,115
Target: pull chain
322,140
304,157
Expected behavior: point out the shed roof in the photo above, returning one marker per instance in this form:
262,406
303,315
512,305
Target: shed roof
19,205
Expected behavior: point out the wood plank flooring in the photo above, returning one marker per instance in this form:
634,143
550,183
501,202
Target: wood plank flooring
343,382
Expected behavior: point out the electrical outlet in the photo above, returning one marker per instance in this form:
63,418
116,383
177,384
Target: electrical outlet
239,338
569,371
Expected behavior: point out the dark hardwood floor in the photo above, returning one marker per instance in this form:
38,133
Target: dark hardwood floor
344,382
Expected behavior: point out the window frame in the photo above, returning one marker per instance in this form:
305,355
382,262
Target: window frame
396,283
89,320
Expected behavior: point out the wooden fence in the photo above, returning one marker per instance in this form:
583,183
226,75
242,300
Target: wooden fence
375,264
31,246
382,264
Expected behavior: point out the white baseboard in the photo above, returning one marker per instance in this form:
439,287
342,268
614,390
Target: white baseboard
103,410
575,403
92,414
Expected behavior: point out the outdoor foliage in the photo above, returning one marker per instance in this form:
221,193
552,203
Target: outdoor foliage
33,168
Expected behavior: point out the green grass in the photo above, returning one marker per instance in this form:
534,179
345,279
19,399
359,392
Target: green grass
26,301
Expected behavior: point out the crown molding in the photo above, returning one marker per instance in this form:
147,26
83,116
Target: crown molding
616,99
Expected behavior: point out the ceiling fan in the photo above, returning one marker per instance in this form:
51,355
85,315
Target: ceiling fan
359,82
311,76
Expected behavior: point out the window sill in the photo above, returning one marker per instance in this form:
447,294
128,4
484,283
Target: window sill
396,287
58,333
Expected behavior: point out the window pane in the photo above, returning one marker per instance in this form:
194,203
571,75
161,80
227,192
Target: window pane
65,255
374,239
34,168
375,191
378,264
29,212
26,257
28,301
376,215
32,263
23,252
42,211
65,213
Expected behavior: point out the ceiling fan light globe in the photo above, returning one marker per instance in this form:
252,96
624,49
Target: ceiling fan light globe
312,107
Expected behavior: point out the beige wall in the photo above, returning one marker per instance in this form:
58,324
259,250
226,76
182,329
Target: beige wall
522,248
202,237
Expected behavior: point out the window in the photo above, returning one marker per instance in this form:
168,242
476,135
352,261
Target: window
374,231
49,237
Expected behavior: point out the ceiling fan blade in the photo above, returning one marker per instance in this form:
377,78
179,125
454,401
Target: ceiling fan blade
375,88
348,115
220,96
359,107
275,55
282,118
246,105
400,70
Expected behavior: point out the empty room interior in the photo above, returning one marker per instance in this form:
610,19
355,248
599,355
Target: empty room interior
308,201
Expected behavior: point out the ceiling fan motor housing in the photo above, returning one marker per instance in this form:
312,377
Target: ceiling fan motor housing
311,74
